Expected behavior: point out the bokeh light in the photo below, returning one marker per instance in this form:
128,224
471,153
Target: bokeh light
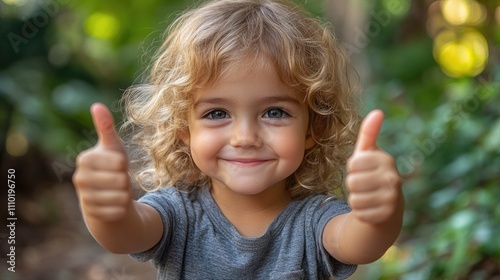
477,13
395,253
461,54
15,2
460,12
102,25
17,144
455,12
459,48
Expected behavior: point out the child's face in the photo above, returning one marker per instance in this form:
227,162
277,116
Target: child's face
248,132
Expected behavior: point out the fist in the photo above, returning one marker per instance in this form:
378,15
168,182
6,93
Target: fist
373,181
101,178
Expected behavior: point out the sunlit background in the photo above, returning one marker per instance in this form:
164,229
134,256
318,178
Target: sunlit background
432,66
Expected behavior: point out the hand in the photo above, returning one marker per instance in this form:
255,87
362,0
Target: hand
373,180
101,178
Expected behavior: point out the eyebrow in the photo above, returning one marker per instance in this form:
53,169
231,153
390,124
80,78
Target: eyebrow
269,99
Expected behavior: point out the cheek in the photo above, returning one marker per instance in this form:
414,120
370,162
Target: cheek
290,146
204,146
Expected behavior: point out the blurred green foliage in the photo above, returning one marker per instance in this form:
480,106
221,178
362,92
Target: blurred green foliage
444,133
58,56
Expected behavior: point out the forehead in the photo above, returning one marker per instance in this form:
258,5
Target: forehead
252,75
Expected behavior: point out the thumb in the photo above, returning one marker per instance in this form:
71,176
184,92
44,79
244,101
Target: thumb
105,127
369,130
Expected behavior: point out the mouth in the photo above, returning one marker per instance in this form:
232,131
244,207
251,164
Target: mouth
246,162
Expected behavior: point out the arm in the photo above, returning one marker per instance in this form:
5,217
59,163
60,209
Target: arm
363,235
353,241
138,231
101,180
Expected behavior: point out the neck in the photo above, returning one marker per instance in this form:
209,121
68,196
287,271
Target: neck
251,215
276,197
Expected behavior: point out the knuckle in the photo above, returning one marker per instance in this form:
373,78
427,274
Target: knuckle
388,198
122,181
114,214
88,200
364,216
121,161
385,213
84,158
349,181
352,162
353,201
106,213
79,179
123,198
385,160
387,157
393,180
121,212
349,164
94,212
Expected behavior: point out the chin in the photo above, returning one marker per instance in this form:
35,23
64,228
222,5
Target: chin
250,188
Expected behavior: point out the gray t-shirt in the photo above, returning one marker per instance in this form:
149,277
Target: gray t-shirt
200,243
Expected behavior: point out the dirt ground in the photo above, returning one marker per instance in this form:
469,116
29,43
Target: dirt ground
52,243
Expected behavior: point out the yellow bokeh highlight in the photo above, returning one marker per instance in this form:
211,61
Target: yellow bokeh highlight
456,12
461,54
16,144
102,25
15,2
395,254
477,13
461,12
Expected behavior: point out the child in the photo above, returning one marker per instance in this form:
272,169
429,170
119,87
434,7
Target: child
245,129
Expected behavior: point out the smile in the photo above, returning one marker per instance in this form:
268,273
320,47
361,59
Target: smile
246,162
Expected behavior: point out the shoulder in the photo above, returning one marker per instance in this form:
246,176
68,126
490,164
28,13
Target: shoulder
172,199
320,203
313,211
171,192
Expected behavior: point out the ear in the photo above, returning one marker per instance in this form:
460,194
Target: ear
309,142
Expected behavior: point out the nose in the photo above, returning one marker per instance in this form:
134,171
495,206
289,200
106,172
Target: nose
246,134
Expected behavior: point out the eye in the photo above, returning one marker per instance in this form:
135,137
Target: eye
275,113
216,115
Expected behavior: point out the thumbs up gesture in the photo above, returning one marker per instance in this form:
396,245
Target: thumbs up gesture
101,178
373,181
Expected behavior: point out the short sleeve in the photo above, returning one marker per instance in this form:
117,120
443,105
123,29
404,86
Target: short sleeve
327,210
166,202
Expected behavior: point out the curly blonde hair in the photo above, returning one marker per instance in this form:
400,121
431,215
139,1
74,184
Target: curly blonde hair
200,45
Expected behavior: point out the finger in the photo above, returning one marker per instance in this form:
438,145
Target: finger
363,182
370,160
104,124
107,214
95,180
106,198
373,215
363,201
369,130
387,183
104,160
